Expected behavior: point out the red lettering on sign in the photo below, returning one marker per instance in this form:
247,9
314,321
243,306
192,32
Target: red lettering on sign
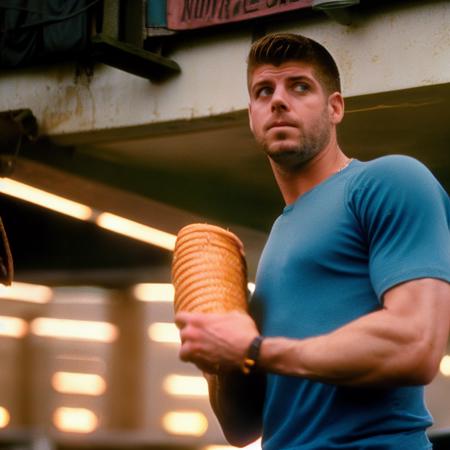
189,14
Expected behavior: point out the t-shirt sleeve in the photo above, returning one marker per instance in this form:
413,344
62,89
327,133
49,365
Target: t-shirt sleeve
404,215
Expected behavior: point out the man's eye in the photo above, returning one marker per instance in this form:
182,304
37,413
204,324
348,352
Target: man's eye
264,91
300,87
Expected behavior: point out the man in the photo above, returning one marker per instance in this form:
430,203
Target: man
351,311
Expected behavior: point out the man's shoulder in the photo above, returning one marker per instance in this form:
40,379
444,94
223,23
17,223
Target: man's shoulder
395,179
389,164
392,170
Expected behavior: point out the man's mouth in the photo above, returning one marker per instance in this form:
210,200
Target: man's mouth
280,124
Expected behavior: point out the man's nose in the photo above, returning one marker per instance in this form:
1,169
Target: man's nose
279,100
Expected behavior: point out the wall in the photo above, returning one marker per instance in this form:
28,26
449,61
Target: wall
387,48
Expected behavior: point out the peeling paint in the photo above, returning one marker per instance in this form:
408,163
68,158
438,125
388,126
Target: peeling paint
70,103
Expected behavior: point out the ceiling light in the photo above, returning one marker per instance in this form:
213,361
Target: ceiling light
251,287
185,386
78,383
189,423
105,220
13,327
45,199
445,366
154,292
164,332
84,330
77,420
4,417
136,230
33,293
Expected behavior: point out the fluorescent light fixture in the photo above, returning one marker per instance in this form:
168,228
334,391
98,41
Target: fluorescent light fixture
251,287
13,327
253,446
75,420
78,383
136,230
74,329
45,199
26,292
188,423
164,332
185,386
105,220
4,417
154,292
445,366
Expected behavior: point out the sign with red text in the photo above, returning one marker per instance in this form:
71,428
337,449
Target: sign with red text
190,14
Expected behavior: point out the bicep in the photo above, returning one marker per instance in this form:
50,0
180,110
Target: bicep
404,216
422,310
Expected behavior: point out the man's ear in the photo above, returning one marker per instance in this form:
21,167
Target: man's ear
336,107
250,122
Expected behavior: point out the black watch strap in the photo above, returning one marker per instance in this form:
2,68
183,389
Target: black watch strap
252,354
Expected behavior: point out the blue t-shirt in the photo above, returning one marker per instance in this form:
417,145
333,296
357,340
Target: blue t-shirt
329,259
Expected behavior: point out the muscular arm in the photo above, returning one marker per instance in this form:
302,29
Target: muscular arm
400,344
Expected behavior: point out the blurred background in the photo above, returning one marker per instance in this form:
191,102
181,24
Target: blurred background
122,121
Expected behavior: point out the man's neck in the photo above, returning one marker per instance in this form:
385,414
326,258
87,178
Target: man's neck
295,183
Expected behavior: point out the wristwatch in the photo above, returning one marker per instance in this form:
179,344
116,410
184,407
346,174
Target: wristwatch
252,357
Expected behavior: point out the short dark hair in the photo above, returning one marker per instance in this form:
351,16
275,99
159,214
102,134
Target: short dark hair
278,48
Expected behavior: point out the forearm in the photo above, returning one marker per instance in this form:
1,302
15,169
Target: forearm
378,349
237,401
349,356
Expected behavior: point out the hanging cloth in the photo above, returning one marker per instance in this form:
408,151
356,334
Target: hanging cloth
40,31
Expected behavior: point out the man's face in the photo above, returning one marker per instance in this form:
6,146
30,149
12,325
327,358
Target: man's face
289,113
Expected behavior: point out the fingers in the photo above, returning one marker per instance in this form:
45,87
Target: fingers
209,339
185,353
193,352
182,319
195,340
190,336
189,326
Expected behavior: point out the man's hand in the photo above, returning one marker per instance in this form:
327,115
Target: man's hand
215,342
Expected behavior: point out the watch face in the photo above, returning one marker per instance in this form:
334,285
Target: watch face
255,347
251,360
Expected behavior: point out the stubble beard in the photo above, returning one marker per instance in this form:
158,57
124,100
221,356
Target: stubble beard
294,156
